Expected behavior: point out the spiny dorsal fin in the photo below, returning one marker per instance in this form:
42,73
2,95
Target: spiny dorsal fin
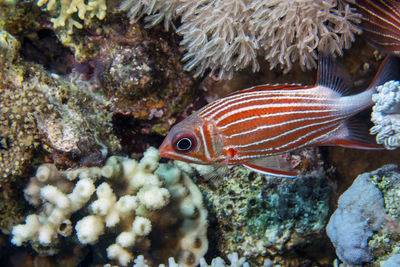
330,75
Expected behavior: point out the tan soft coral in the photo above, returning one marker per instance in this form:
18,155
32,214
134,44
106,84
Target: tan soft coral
226,36
291,31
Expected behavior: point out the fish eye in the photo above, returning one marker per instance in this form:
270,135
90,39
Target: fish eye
184,142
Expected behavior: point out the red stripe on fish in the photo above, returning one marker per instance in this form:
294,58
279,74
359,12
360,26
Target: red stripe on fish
285,139
381,23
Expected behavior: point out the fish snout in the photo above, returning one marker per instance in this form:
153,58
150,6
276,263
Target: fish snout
165,150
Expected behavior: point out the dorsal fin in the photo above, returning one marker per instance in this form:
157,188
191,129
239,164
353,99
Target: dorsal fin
271,87
331,76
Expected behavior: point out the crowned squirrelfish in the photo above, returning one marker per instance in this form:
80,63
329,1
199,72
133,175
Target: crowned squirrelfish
380,23
265,121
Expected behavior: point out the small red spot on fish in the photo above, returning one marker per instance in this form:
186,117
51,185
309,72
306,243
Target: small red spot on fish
231,152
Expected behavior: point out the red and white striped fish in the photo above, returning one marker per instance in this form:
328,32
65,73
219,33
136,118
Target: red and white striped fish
381,23
253,125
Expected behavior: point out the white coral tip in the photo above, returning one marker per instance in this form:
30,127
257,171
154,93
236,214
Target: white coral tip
53,195
153,197
116,252
89,228
127,204
141,226
126,239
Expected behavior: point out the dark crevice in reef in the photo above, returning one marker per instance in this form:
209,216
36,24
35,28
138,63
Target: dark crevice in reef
134,134
45,49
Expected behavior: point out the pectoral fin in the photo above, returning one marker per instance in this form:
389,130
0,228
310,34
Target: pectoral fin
275,166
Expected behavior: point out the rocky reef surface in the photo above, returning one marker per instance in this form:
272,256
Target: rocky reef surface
86,87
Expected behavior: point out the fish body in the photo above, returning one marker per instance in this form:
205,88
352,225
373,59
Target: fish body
381,23
265,121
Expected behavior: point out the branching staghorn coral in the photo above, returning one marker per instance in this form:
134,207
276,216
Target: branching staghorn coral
132,200
386,115
226,36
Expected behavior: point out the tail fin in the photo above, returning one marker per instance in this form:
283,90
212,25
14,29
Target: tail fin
388,70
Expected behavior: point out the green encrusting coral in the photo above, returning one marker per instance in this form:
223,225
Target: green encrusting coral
299,204
386,243
262,215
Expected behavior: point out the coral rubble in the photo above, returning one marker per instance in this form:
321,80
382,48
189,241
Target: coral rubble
365,227
145,203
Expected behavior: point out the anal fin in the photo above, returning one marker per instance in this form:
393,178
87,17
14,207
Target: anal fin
354,144
352,134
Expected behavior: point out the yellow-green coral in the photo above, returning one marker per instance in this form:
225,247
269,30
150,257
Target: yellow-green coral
68,7
19,103
34,102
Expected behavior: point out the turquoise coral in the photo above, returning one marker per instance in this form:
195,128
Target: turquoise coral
261,217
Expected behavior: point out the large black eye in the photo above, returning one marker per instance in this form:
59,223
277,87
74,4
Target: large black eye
184,142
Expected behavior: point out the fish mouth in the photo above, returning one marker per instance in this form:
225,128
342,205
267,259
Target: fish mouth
165,151
167,154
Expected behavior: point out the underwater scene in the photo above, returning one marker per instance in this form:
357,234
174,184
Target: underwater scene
199,133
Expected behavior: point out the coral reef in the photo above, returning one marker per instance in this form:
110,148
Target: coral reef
140,74
234,260
145,203
226,36
50,114
35,102
263,218
65,10
79,83
386,115
365,226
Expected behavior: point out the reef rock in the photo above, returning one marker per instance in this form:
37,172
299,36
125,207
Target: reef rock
365,227
269,218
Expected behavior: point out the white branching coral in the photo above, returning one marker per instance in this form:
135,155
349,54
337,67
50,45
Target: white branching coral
132,199
386,115
226,36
